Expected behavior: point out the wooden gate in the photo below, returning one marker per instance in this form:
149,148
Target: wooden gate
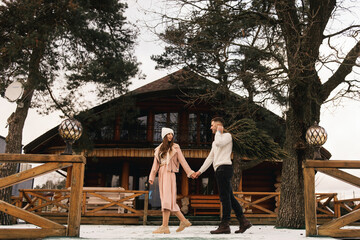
331,168
47,227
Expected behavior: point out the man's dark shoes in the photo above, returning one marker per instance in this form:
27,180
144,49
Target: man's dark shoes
223,228
244,225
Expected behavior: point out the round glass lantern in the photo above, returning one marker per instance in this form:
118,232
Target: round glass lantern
70,130
316,136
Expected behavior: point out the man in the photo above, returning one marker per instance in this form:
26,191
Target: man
220,158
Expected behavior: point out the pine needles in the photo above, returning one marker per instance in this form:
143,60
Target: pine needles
254,143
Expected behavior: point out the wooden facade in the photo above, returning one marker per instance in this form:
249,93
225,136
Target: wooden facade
122,143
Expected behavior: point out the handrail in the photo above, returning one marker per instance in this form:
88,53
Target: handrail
334,227
95,201
51,163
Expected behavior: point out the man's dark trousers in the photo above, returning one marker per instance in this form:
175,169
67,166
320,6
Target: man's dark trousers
223,175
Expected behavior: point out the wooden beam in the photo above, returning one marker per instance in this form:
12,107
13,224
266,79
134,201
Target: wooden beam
340,233
41,158
125,175
310,202
342,221
31,173
21,233
68,177
146,204
74,217
331,164
341,175
184,183
28,216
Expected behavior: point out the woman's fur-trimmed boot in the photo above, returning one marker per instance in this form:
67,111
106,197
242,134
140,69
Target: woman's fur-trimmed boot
223,228
161,230
244,224
183,224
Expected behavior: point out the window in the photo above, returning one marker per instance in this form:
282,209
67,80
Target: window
205,131
161,120
192,128
134,130
199,123
102,133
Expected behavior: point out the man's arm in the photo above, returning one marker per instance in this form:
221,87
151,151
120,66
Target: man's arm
222,139
208,161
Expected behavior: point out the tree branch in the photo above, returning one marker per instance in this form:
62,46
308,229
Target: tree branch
344,69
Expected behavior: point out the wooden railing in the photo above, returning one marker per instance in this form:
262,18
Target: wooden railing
96,201
326,205
347,206
332,228
255,200
47,227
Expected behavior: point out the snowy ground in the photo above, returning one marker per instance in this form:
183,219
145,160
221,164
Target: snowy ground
257,232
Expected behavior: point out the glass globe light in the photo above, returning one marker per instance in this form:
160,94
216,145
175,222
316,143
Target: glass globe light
70,130
316,136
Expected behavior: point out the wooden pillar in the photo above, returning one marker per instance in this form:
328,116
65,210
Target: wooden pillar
74,217
183,132
184,183
125,175
240,184
150,127
68,177
146,204
310,202
117,131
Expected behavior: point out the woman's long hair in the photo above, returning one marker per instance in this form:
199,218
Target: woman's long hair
165,146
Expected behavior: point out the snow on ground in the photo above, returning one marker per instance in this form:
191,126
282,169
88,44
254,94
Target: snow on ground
137,232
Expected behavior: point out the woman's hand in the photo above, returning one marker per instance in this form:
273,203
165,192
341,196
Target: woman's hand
151,182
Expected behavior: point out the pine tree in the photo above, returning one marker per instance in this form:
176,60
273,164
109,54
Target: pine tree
64,42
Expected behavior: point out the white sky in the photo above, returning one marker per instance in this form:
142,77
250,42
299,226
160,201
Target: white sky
341,121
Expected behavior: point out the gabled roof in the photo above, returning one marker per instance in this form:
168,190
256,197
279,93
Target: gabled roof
181,79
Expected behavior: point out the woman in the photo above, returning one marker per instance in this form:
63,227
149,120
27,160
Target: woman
167,157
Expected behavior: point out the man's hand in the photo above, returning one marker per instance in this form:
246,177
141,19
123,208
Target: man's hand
151,182
197,174
220,129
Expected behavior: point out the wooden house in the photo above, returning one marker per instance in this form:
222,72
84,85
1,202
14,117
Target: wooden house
125,131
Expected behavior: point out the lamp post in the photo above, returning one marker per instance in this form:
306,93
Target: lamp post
316,136
70,130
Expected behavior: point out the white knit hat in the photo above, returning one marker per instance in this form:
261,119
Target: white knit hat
165,131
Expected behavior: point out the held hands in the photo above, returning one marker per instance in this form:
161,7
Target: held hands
195,175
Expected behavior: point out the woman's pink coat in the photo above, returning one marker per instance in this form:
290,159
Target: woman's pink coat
176,158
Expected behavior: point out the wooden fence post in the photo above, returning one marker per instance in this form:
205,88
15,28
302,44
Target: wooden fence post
310,202
74,217
146,204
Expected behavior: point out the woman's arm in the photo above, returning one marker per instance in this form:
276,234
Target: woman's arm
183,162
154,169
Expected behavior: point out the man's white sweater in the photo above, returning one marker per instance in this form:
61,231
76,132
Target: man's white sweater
220,153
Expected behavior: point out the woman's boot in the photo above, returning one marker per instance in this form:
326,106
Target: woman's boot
162,229
223,228
183,224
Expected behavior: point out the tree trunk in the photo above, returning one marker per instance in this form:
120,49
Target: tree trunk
237,172
303,111
13,145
